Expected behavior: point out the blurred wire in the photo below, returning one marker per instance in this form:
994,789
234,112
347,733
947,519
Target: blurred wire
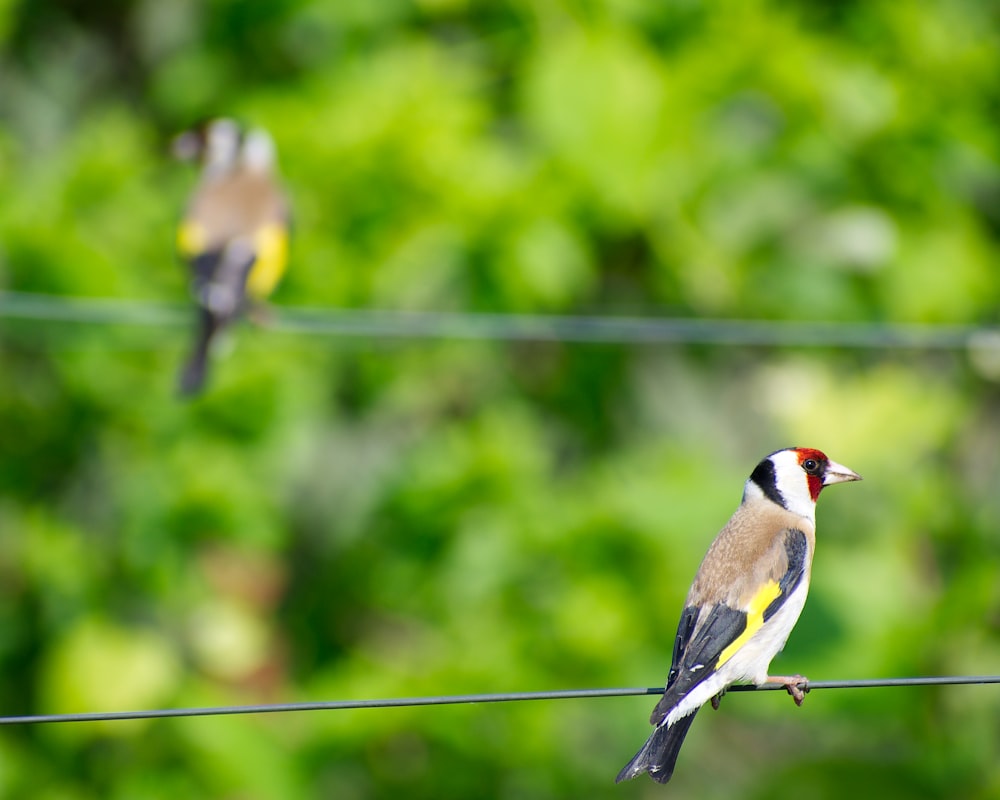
91,310
458,699
515,327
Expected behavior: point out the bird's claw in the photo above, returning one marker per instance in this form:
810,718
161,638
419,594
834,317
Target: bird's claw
796,685
717,699
260,313
798,694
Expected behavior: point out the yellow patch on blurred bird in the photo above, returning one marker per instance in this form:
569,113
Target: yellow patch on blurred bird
191,239
271,243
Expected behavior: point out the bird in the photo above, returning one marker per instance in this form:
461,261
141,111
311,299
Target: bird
234,232
746,597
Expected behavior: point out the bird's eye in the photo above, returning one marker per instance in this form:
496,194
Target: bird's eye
811,465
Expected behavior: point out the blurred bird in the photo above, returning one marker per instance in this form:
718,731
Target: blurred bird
234,234
745,599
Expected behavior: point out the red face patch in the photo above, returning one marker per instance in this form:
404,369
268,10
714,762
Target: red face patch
813,463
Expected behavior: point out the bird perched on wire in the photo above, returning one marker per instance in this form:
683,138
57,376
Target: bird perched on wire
746,597
234,234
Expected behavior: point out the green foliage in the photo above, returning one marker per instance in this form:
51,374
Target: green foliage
353,518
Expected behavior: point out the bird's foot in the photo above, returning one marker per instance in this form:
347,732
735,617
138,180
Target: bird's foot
717,700
796,685
260,313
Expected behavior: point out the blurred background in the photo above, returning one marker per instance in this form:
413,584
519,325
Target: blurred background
355,517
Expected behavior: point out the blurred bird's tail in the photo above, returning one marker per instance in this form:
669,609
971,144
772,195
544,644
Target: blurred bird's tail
195,370
659,754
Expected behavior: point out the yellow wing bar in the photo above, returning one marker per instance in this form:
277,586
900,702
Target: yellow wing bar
755,619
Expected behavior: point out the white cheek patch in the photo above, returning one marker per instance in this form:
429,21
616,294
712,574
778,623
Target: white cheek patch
793,483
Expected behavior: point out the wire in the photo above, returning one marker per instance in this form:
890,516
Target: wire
91,310
515,327
459,699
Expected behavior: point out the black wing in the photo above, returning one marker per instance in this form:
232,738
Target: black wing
796,548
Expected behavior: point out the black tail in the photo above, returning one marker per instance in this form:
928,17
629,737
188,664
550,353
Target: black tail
659,754
195,370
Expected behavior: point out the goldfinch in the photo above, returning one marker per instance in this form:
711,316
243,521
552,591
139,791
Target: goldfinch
745,599
234,234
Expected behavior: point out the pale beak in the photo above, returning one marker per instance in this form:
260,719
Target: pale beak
186,146
838,473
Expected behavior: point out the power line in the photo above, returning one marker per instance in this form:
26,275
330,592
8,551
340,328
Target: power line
463,699
335,322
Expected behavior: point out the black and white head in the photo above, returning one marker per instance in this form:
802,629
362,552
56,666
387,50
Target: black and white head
216,143
794,477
